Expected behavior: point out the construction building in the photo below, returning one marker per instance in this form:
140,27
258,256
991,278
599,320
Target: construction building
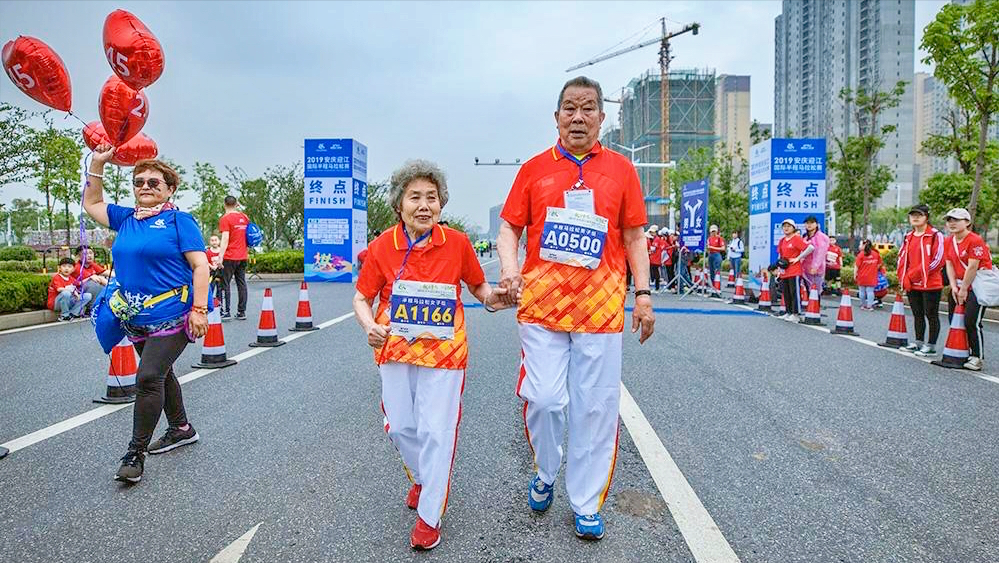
691,124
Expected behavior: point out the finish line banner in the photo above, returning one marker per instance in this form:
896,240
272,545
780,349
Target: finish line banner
336,208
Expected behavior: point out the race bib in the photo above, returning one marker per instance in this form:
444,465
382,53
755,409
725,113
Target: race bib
422,310
573,237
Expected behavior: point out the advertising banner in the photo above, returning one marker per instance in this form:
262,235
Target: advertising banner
694,215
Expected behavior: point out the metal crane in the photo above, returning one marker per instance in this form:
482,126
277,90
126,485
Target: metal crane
664,59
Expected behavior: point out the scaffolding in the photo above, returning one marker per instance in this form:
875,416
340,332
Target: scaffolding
692,119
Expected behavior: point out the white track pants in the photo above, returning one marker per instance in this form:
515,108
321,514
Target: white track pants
422,409
582,372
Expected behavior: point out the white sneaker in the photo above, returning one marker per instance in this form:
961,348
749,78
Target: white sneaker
784,316
926,350
793,319
974,363
912,347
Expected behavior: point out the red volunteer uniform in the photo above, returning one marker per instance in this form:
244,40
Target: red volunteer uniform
715,244
791,249
971,247
867,267
921,260
235,224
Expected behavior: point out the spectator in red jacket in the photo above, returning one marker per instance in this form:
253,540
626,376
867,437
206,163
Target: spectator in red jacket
65,297
868,264
793,248
834,264
966,253
920,273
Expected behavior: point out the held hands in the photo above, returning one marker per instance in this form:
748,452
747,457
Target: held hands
643,317
512,282
377,335
198,324
501,298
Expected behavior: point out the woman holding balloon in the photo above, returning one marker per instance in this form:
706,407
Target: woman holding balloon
159,298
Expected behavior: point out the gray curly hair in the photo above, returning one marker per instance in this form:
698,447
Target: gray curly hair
416,170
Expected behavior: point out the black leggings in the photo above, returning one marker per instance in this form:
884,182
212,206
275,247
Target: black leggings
655,271
926,307
229,269
792,295
156,387
973,315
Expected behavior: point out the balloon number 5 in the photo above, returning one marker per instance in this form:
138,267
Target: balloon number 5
23,80
118,62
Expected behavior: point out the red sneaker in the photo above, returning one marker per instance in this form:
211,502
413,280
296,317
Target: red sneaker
413,498
423,536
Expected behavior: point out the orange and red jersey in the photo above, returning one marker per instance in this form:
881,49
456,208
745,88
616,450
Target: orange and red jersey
972,247
448,257
791,249
921,260
558,296
867,268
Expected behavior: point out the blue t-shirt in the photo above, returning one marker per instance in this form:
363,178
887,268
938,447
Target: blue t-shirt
149,259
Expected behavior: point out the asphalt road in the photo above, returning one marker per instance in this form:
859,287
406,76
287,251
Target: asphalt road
801,446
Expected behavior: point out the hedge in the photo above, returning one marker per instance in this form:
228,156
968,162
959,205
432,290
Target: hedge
33,265
20,291
17,253
278,262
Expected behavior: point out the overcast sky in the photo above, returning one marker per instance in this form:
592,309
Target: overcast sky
245,82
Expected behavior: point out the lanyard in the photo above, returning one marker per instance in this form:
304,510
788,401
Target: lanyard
412,244
575,161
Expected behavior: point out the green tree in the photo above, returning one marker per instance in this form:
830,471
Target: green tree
949,190
58,155
963,45
728,203
255,196
887,219
697,164
18,151
24,214
287,187
850,166
117,182
381,216
867,107
757,133
211,192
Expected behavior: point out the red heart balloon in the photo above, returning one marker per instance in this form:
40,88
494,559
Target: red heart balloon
93,135
123,110
38,71
140,147
132,50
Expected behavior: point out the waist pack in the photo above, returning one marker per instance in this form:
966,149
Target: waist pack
111,309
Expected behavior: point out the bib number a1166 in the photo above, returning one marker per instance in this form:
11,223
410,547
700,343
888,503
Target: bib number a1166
573,237
423,310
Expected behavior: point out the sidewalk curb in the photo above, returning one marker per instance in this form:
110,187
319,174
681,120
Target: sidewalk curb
31,318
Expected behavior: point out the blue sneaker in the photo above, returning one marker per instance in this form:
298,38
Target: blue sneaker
590,527
540,496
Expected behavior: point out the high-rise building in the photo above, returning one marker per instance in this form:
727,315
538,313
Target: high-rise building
494,221
691,122
732,113
823,46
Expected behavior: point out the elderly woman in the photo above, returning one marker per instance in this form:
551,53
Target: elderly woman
159,297
418,334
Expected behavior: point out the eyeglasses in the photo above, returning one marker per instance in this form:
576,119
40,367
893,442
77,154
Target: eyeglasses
151,182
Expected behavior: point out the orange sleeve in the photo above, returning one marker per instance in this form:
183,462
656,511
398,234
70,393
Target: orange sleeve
517,209
471,270
371,279
633,209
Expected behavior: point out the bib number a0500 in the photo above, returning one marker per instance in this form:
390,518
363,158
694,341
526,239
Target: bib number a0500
573,237
423,310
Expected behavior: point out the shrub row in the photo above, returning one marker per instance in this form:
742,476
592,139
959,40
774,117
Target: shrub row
278,262
17,253
19,291
33,265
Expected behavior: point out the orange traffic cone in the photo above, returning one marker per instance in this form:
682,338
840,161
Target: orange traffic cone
303,318
955,352
731,278
813,311
898,334
213,353
764,304
803,291
717,284
121,375
844,319
267,328
740,291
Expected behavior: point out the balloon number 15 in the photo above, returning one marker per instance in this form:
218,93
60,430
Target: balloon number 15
23,80
118,60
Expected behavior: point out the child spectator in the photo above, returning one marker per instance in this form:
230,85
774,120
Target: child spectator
868,265
215,265
91,275
64,293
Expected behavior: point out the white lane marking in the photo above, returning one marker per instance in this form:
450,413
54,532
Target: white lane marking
705,540
46,325
235,551
493,261
104,410
984,376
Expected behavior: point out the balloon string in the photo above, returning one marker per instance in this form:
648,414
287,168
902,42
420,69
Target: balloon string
69,113
83,226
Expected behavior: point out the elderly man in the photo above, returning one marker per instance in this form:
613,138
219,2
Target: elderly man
583,210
